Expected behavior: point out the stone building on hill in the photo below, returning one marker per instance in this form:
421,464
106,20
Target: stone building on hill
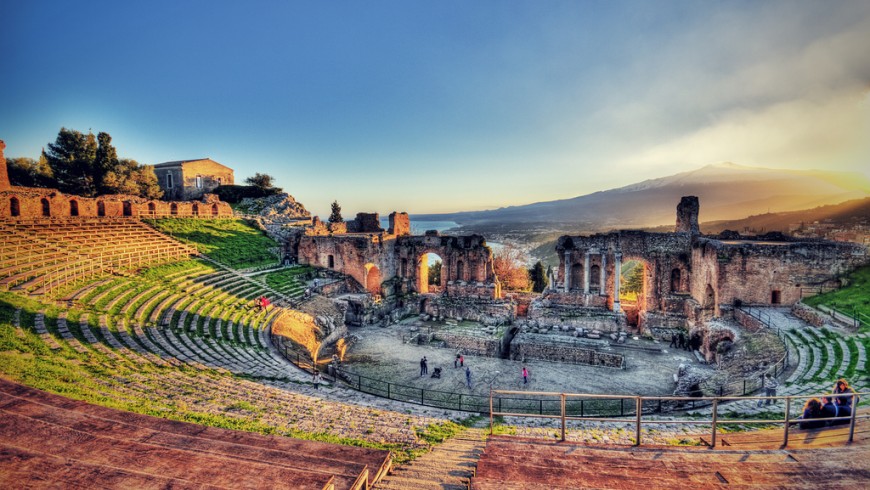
184,180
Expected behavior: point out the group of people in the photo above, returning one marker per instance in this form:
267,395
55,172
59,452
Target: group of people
679,341
837,404
263,302
458,362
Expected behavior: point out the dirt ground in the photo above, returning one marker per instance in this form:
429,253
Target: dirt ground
381,353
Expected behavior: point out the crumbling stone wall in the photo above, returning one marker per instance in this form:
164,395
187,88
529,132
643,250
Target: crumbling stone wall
526,347
468,344
5,185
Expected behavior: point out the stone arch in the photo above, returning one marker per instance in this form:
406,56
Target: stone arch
214,210
372,279
460,270
424,284
46,207
128,208
73,207
14,206
173,209
195,209
330,261
152,208
576,276
101,208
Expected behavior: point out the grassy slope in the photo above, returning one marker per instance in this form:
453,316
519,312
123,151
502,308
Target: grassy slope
853,298
231,242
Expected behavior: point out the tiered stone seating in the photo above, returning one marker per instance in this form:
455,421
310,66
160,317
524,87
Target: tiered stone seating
48,440
40,255
513,463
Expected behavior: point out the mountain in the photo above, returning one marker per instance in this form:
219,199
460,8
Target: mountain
849,212
726,191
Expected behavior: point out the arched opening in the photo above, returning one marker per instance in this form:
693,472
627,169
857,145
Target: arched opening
195,209
330,262
46,207
429,276
775,297
173,209
14,206
152,209
373,279
101,208
576,277
676,280
460,271
403,272
595,278
73,207
128,208
214,209
633,282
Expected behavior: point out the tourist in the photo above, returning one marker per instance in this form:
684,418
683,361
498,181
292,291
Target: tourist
425,365
829,410
812,410
843,411
681,341
456,361
317,379
461,360
422,366
842,387
770,386
673,341
468,377
525,376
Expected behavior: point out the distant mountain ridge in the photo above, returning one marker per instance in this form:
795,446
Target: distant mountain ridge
726,191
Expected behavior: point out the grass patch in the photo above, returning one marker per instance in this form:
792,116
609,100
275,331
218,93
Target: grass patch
853,300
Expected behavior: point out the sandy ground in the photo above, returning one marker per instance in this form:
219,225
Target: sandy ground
380,353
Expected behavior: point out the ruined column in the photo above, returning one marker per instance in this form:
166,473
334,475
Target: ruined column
586,274
4,175
687,215
567,270
602,285
616,269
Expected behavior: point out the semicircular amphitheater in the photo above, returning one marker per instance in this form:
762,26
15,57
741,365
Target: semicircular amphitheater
133,359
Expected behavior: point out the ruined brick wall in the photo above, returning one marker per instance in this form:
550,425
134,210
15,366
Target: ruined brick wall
767,273
465,259
29,202
184,178
400,224
687,215
350,254
480,346
365,223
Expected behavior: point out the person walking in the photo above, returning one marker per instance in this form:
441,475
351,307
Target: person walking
673,341
681,341
456,361
461,360
422,366
770,386
468,377
316,379
525,376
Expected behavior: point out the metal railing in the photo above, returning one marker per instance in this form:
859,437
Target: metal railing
566,412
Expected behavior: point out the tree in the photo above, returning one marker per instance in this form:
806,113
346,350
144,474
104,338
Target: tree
263,181
27,172
509,264
106,158
335,215
538,277
72,157
129,177
435,273
633,279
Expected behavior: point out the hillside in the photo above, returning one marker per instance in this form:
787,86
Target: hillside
727,191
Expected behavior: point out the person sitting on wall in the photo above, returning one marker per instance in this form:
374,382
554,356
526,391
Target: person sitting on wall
842,387
812,411
843,411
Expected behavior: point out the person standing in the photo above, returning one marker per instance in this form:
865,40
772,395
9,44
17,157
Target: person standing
673,341
681,341
456,361
525,376
468,377
422,366
461,360
425,365
317,379
770,386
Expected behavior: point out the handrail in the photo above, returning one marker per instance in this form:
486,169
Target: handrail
639,421
362,481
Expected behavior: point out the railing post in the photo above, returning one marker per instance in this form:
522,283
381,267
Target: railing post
787,417
562,396
638,409
852,419
744,387
715,414
490,411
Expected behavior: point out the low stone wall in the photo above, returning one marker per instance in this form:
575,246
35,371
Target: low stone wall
808,314
522,349
481,346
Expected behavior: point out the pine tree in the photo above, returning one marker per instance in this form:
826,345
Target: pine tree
539,277
335,215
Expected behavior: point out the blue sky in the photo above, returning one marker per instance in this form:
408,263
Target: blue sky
444,106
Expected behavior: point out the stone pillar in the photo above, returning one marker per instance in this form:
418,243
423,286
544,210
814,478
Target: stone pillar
602,285
586,274
4,174
687,215
616,269
567,270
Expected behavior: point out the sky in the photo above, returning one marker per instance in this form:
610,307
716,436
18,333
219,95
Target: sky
431,107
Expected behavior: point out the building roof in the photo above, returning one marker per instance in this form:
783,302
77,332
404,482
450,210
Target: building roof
179,163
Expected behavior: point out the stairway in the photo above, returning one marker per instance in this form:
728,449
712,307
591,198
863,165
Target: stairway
449,466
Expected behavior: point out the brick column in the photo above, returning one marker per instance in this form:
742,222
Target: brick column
616,270
602,284
567,270
586,274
